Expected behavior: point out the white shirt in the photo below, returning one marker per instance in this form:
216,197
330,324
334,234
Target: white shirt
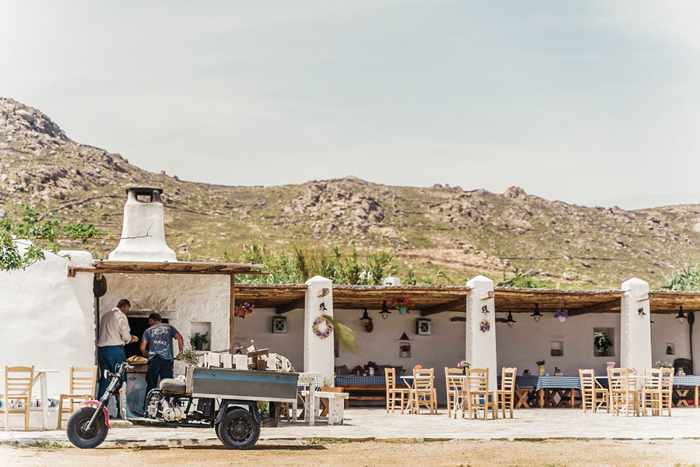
114,328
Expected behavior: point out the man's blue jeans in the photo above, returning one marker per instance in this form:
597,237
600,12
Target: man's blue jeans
108,357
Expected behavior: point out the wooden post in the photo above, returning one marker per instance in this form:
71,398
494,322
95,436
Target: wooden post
232,317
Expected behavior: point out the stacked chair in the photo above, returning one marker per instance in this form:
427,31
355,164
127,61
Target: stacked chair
593,396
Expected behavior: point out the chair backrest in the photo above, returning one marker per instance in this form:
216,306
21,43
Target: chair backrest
667,380
82,380
423,378
508,376
652,379
451,382
478,380
390,378
18,381
227,360
587,379
615,378
213,360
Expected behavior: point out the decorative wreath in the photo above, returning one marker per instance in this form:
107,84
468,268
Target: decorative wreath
322,327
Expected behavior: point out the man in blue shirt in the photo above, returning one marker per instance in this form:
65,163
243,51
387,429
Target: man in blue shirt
158,338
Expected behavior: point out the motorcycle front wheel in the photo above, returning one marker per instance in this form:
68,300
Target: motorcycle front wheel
82,437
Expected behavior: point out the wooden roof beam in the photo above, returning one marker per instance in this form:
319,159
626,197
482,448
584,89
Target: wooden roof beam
297,304
442,307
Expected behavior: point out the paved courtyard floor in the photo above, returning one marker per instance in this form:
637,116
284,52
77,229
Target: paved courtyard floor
376,424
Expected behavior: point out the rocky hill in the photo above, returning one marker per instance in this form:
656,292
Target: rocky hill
460,232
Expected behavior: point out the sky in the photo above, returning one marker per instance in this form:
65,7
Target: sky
591,102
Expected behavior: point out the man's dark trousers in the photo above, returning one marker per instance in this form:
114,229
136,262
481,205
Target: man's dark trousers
158,368
108,357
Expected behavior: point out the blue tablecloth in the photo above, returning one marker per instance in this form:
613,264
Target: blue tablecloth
343,380
688,380
558,382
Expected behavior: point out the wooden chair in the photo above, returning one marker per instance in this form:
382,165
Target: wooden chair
505,396
652,391
622,387
667,389
394,394
475,395
81,387
18,388
593,396
454,382
423,392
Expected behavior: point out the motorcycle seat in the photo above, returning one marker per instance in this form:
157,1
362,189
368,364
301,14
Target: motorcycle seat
172,386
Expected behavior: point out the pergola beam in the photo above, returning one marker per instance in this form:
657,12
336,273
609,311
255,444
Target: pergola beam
455,305
289,306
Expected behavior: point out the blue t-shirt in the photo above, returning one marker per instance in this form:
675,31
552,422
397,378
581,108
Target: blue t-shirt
160,340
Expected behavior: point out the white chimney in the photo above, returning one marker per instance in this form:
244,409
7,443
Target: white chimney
143,232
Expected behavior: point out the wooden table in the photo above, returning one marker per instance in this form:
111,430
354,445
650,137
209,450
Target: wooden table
523,395
548,387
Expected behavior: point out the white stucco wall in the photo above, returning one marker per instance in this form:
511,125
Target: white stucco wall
182,298
667,329
47,318
528,341
258,327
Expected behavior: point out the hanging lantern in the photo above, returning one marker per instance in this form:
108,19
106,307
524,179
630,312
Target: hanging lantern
509,320
681,316
561,315
385,310
536,315
404,346
367,321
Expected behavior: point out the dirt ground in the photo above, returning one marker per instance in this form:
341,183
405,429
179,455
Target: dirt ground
464,453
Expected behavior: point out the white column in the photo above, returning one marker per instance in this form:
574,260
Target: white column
635,325
481,344
319,353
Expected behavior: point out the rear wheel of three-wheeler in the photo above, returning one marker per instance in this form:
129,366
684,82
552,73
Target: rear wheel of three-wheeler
238,429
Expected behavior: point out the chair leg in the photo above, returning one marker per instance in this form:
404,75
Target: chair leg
60,412
26,416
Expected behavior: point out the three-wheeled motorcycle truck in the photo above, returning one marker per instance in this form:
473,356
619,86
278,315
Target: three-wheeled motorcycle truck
219,398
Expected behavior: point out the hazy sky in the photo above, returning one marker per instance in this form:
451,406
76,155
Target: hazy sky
593,102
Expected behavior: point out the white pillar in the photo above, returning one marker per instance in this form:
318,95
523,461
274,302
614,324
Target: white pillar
481,313
319,353
635,325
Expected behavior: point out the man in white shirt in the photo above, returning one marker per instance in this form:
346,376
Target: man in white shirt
114,335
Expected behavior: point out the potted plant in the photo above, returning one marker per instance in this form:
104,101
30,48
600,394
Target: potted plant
601,343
